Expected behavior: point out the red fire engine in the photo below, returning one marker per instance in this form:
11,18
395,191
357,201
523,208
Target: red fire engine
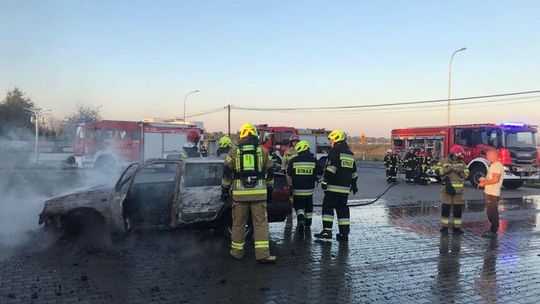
277,139
107,143
515,142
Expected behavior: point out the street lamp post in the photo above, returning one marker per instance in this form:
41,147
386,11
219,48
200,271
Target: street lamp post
450,84
185,100
37,113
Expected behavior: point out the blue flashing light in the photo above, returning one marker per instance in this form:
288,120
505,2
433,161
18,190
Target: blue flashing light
513,124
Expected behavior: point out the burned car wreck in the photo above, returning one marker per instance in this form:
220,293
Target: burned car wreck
159,194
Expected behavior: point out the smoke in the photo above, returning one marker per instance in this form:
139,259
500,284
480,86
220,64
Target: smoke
24,186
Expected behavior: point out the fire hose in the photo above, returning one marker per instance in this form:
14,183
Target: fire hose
367,203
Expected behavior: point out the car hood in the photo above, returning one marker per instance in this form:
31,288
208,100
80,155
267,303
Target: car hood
85,197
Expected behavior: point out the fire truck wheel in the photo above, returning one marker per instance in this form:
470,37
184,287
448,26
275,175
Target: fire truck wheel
477,171
511,184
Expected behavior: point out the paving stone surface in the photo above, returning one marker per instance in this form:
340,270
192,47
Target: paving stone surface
395,255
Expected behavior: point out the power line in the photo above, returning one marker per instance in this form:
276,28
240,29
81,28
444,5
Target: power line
205,112
390,104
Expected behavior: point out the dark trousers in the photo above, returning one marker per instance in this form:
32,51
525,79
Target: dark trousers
492,210
445,215
339,202
303,205
391,174
410,175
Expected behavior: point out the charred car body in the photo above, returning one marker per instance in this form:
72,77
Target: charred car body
157,194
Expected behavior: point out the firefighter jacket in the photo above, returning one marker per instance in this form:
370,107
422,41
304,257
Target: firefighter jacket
424,161
289,154
340,171
455,170
410,161
190,152
391,161
223,152
303,172
249,172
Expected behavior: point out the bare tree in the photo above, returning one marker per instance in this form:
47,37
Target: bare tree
84,114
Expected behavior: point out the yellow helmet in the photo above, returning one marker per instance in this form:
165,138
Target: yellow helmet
301,146
336,136
247,129
225,142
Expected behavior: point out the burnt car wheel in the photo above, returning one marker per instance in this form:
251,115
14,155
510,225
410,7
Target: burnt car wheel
84,221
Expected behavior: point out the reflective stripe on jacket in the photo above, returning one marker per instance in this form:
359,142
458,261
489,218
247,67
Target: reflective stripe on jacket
457,171
248,171
303,172
340,171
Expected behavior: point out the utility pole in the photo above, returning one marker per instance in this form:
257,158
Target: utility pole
229,120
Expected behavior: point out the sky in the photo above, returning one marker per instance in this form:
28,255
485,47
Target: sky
138,59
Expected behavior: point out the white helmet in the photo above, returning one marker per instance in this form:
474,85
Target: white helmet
389,151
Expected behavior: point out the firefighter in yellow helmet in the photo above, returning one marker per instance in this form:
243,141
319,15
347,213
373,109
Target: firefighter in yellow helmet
225,144
248,172
302,174
290,153
340,178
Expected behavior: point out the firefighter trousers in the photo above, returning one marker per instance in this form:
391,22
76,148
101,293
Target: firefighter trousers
339,202
303,205
452,206
410,175
391,174
259,217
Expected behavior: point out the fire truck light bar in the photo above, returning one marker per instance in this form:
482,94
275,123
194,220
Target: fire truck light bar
513,124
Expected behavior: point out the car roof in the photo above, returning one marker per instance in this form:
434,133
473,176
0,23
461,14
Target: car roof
189,160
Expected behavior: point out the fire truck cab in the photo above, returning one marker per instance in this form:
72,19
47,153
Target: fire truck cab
515,143
276,139
109,143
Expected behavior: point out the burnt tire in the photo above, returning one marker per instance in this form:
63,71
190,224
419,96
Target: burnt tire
512,185
476,172
227,227
84,222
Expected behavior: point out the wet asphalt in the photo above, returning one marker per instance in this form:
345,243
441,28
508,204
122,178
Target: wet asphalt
395,254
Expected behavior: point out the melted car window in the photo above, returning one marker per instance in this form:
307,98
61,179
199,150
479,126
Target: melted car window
156,173
203,174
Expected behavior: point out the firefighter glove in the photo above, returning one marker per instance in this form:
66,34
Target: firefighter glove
354,188
269,192
225,193
448,186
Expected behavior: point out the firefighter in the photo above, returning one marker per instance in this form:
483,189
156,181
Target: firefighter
391,163
340,178
290,153
424,162
191,148
248,172
225,144
453,173
410,162
303,172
